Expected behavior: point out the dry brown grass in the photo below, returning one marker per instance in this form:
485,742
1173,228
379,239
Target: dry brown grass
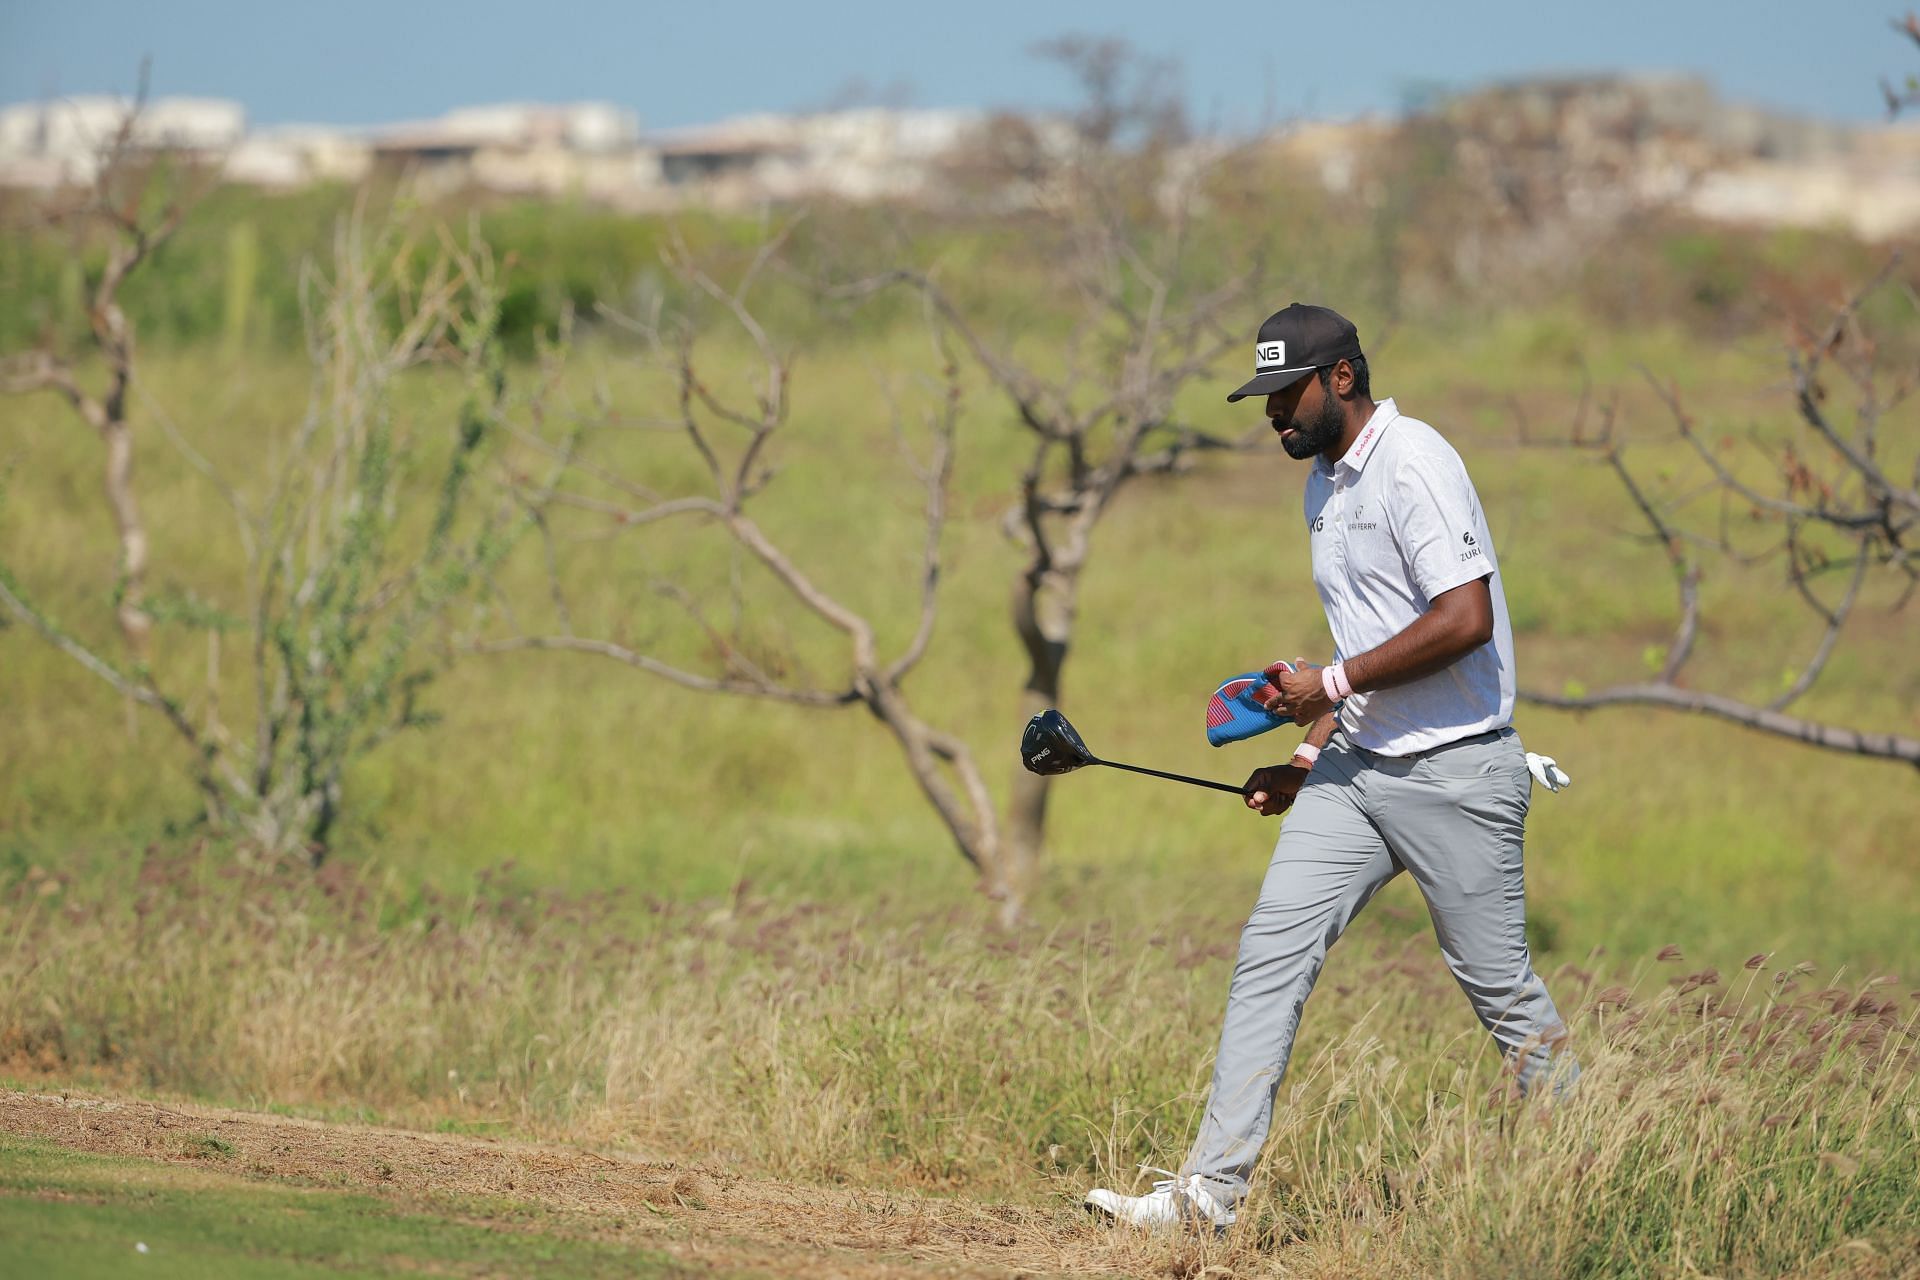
841,1061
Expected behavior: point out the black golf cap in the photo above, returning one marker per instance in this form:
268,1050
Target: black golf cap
1293,343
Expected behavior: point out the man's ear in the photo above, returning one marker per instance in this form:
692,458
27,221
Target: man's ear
1342,379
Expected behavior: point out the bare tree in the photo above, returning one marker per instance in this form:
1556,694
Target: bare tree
1118,225
1128,100
1907,95
1147,322
139,213
339,592
1837,510
941,763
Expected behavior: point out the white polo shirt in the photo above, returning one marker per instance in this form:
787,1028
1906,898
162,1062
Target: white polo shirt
1394,523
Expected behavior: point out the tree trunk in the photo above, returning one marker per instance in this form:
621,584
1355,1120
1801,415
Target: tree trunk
1046,648
1027,808
130,591
968,814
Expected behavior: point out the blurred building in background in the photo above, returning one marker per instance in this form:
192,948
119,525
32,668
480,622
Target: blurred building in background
59,142
1555,158
589,149
291,156
863,154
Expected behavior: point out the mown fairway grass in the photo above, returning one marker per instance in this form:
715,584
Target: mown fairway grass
75,1215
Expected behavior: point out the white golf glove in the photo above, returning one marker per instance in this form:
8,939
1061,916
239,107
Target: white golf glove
1547,772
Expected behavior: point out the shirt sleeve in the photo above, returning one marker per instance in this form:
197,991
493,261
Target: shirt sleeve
1438,522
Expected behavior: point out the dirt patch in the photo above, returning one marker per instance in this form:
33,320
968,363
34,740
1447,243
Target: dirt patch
701,1216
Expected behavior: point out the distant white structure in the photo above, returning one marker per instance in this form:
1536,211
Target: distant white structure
862,154
1574,153
204,125
1871,205
289,156
581,126
585,148
61,141
876,154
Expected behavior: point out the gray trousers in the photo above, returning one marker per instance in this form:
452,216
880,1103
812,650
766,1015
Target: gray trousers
1456,818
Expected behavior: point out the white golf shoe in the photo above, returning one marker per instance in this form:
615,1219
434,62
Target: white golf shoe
1174,1202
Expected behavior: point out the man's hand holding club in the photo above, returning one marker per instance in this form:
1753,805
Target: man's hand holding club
1271,790
1296,691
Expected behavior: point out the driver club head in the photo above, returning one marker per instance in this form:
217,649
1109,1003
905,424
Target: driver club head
1051,746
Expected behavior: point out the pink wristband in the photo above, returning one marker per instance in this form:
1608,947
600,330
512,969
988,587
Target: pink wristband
1338,674
1308,752
1329,682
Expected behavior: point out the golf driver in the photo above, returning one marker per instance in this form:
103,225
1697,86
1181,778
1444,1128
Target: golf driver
1050,745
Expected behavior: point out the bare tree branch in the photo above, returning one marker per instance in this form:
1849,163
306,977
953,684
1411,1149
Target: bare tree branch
123,188
1144,328
666,671
1686,573
1836,619
941,764
1899,100
339,607
138,691
1845,494
1886,746
936,476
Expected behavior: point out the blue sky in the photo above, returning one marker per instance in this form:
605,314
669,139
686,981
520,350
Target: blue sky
360,62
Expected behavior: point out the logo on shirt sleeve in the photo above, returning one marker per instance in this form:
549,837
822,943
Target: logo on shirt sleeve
1473,548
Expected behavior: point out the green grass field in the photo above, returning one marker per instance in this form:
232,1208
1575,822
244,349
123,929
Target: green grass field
588,775
593,908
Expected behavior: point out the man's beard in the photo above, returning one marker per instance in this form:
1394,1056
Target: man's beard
1314,435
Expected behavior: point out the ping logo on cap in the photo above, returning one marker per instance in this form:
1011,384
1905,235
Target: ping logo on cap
1269,354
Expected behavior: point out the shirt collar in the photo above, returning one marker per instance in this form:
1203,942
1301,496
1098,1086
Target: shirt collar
1355,458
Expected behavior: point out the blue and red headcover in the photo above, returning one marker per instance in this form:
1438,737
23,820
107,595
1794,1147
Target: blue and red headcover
1234,712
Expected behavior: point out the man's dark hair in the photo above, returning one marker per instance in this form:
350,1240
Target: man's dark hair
1362,385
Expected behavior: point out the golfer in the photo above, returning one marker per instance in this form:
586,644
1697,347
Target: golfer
1411,762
